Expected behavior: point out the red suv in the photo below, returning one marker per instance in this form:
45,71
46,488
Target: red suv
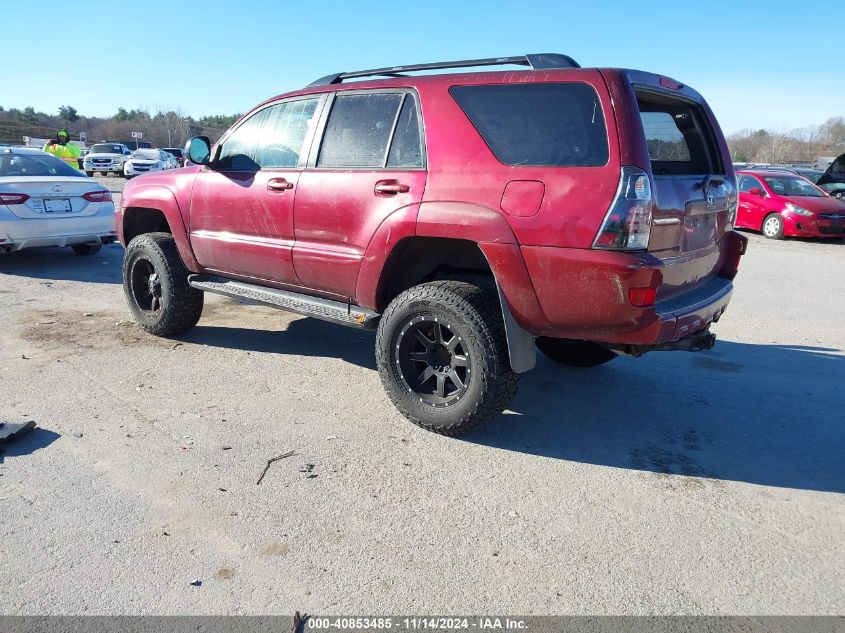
467,217
781,203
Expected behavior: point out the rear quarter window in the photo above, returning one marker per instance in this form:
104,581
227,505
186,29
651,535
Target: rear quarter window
538,124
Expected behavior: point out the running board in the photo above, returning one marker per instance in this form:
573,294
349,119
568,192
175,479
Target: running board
325,309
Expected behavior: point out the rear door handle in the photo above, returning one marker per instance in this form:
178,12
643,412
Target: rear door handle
391,187
279,184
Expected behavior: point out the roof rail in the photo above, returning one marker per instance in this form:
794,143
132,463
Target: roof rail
537,61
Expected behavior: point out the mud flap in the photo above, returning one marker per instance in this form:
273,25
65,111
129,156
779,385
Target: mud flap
521,344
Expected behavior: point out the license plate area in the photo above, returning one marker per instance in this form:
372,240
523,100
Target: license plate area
57,205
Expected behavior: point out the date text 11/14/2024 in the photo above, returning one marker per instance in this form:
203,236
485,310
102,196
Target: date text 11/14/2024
420,623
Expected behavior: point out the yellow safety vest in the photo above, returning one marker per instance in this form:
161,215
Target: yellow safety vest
67,152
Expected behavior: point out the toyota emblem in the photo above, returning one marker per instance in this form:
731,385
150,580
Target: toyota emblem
57,188
711,199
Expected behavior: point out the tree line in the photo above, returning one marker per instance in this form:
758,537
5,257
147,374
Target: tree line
162,127
800,145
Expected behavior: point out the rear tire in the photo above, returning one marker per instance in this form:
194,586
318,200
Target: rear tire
442,356
575,353
155,282
773,226
86,249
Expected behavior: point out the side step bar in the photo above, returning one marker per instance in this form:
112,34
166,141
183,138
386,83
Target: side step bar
325,309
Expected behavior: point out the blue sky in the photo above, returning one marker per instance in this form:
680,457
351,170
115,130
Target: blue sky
771,64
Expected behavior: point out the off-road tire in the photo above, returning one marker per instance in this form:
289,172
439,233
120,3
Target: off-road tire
86,249
476,318
769,220
574,353
180,304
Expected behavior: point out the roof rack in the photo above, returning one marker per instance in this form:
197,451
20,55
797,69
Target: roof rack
537,61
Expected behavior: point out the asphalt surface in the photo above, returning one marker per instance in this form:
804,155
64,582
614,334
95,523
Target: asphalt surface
676,483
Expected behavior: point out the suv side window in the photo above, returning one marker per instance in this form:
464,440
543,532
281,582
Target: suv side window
747,183
406,149
270,138
538,124
358,130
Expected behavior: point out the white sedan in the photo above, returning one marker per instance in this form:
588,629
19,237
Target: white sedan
143,161
46,202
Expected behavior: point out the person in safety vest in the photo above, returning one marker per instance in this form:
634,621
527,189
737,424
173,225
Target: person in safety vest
61,147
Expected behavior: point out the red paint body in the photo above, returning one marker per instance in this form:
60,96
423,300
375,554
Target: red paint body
754,208
331,233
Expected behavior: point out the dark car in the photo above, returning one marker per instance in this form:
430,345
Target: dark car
833,180
465,216
178,153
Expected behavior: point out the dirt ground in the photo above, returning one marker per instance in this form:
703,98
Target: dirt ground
675,483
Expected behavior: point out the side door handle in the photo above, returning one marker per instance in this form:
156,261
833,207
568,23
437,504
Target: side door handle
279,184
390,187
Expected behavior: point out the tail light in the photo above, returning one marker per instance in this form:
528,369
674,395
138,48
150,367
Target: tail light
642,297
13,198
101,195
627,225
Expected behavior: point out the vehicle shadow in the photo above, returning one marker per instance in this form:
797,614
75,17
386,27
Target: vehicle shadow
303,337
54,264
771,415
30,442
763,414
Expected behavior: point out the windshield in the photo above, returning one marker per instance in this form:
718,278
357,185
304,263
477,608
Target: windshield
106,148
35,165
792,186
146,154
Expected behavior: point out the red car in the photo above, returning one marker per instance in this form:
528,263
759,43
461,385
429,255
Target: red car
466,216
781,203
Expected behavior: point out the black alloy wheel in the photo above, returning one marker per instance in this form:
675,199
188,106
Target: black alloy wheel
433,361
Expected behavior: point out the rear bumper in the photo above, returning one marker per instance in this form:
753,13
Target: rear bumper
17,233
584,294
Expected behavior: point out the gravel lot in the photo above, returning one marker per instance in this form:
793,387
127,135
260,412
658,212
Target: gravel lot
676,483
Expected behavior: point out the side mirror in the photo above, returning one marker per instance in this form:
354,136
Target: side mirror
198,150
756,191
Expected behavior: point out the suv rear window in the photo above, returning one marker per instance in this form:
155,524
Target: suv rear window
538,124
679,139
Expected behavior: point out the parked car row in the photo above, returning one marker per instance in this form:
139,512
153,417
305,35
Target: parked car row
792,201
117,158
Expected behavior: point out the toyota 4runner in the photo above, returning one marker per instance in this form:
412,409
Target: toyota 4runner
467,217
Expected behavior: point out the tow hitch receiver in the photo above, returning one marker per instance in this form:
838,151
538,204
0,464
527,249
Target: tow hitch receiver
697,342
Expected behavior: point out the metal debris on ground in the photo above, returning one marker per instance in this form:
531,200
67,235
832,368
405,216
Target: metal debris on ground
270,461
196,583
13,430
306,468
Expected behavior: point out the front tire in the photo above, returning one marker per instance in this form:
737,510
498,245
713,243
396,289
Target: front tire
90,174
155,282
574,353
86,249
773,226
442,356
